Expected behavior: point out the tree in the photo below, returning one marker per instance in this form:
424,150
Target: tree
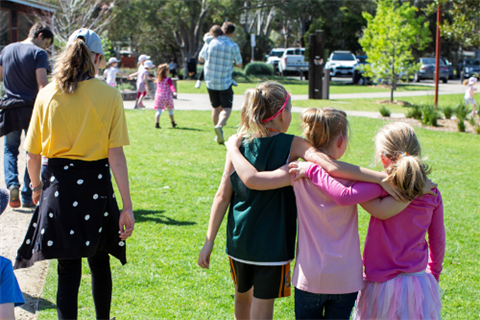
389,38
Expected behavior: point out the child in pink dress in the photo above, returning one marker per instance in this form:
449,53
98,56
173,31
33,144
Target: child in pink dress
164,95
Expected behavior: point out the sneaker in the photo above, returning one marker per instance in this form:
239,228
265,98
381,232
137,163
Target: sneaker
157,125
30,205
234,83
219,133
14,199
198,84
136,107
174,125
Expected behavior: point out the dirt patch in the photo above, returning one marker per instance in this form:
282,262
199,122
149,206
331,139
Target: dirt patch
396,102
446,125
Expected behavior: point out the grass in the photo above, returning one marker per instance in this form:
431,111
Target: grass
450,100
174,175
295,86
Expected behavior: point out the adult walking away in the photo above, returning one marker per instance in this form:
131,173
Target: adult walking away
220,56
23,67
79,124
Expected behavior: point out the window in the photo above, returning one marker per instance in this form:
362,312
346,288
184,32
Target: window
4,28
343,57
25,22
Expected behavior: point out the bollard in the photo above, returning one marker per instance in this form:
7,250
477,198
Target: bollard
326,84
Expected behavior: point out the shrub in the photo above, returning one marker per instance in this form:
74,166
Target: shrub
415,113
125,86
448,112
461,111
477,128
238,73
385,112
472,121
259,69
461,125
430,115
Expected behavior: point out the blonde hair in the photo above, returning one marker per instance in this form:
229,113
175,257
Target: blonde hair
397,142
465,82
162,72
322,126
73,65
260,103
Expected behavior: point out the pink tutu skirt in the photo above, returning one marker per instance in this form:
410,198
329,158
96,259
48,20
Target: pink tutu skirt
409,296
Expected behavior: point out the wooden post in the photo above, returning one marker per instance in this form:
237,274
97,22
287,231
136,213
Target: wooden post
311,66
318,66
437,58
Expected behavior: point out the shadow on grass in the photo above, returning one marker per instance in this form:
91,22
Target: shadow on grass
158,217
188,129
32,303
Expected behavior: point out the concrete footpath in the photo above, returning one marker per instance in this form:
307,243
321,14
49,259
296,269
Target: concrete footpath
201,102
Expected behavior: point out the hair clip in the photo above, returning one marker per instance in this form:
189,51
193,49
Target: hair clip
403,154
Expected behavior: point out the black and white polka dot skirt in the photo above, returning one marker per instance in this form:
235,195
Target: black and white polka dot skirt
78,215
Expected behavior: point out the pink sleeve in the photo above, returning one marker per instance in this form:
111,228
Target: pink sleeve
170,83
344,196
436,240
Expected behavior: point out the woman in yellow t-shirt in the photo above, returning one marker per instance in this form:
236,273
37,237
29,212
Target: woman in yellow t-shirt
78,123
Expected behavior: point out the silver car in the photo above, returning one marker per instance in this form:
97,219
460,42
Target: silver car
427,70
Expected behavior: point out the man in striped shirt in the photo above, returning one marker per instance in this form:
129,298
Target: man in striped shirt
220,56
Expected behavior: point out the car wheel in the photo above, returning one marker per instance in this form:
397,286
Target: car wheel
445,80
361,82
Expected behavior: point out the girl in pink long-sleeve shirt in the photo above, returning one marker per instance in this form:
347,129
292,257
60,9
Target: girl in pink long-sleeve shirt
328,269
164,95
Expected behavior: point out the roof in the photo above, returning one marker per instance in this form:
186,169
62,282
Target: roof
35,4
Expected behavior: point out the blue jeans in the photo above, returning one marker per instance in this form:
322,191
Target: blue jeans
10,159
323,306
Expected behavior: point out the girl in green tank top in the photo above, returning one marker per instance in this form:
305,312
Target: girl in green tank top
262,224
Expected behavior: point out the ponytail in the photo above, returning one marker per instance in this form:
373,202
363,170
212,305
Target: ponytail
74,64
398,143
260,103
322,126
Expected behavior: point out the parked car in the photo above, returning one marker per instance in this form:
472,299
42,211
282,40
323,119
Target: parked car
293,60
469,67
449,65
274,57
427,70
341,63
358,76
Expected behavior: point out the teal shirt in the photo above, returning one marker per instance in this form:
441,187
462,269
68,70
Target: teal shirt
262,224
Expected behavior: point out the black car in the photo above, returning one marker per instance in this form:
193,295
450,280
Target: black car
470,67
427,70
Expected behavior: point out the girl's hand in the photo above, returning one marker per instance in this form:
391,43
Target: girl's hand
126,223
36,196
234,141
204,256
428,188
392,190
298,167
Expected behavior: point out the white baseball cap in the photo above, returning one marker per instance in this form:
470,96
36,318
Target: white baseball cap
113,60
472,80
92,40
148,64
143,57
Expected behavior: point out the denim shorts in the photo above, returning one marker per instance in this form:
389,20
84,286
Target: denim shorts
310,305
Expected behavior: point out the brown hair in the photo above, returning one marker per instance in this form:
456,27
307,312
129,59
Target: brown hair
42,28
228,27
73,65
465,82
397,142
216,31
260,103
162,72
322,126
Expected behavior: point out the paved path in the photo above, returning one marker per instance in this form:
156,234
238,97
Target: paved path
201,102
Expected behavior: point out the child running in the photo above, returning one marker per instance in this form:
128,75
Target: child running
402,269
261,227
142,83
164,95
470,92
328,270
111,72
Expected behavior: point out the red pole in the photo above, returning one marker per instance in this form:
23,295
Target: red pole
437,53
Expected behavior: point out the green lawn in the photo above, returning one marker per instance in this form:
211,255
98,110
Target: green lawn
296,87
174,175
371,104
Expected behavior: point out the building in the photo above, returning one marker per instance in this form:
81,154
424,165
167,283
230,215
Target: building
18,16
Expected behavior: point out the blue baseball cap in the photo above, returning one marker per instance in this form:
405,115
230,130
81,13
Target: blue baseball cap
92,40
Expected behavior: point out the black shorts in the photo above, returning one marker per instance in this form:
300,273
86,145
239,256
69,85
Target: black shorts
269,282
223,98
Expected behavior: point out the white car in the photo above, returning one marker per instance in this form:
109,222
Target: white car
274,56
293,61
341,64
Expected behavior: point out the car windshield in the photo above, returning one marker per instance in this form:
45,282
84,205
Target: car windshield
343,57
295,52
276,53
472,62
431,61
362,59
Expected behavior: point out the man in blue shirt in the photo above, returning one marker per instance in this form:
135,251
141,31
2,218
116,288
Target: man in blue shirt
23,67
220,56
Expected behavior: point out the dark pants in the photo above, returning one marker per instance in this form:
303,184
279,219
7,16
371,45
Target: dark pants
323,306
202,75
69,276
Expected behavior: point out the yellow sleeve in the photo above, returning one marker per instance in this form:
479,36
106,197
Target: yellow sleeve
33,140
118,135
